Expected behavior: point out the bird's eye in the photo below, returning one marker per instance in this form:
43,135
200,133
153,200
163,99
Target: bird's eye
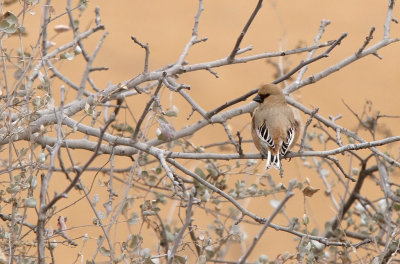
266,95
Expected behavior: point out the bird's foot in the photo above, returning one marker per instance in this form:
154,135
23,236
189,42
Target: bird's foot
286,154
263,156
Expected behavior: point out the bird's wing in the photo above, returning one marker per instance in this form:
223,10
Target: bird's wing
289,139
264,135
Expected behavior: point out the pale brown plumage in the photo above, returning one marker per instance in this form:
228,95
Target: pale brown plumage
274,128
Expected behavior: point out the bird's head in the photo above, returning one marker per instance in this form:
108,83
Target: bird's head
268,90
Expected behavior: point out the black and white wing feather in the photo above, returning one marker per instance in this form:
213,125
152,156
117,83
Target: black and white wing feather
264,135
286,144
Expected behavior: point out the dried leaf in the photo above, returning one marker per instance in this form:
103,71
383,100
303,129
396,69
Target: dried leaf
309,191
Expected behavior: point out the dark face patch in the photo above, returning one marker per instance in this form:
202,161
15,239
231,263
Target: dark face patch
260,97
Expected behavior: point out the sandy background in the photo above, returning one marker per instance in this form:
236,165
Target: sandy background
280,25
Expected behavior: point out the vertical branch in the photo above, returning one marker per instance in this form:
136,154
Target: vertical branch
46,21
114,218
230,136
188,220
389,17
236,48
147,108
353,196
147,50
324,24
309,120
85,75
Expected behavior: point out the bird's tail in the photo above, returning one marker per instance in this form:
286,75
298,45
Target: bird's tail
273,161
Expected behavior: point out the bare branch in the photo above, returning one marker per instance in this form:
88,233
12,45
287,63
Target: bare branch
244,31
85,75
288,195
188,220
147,50
346,206
324,24
147,109
311,60
366,42
79,173
218,191
309,120
343,130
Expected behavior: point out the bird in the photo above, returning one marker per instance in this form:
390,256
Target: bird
274,128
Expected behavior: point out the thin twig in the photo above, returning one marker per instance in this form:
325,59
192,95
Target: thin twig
343,130
147,52
353,196
230,103
309,120
212,187
311,60
188,220
85,74
230,136
366,42
147,108
244,31
79,174
128,151
288,195
240,139
46,21
324,24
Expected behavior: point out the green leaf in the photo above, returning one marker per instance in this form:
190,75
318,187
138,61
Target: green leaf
11,29
82,5
24,151
13,189
67,56
148,213
158,170
122,127
144,174
11,18
135,241
160,198
9,24
396,206
200,172
134,219
120,258
4,25
30,202
148,261
104,251
180,259
172,112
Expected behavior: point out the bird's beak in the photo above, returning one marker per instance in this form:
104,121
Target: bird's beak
258,99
